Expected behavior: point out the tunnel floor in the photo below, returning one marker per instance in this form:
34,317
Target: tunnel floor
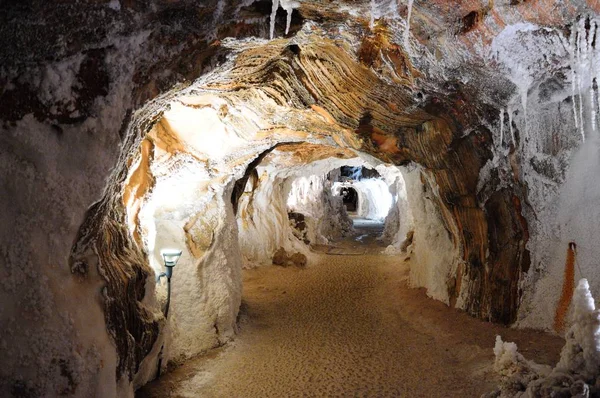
349,326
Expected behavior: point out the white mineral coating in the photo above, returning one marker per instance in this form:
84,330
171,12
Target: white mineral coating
378,9
434,256
579,365
323,209
562,176
206,284
518,375
49,318
263,221
581,353
399,219
374,197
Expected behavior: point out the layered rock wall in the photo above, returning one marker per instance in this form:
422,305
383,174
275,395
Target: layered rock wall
85,86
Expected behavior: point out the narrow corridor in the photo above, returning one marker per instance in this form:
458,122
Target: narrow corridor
348,326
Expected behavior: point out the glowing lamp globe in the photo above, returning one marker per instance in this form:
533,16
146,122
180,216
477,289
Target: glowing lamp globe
170,256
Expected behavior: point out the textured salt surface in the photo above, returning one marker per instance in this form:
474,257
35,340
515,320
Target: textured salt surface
348,326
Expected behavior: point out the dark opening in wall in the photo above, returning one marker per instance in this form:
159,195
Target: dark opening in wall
357,173
350,198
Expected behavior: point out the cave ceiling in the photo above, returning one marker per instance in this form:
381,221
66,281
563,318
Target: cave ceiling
349,77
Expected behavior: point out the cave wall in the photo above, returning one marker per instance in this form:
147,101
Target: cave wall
374,197
263,222
418,231
391,127
283,185
53,328
324,214
194,216
72,124
540,150
399,220
71,74
435,254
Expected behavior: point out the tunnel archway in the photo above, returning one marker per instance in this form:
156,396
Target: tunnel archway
155,117
162,143
479,157
153,112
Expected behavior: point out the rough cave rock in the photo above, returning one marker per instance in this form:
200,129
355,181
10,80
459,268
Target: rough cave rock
131,125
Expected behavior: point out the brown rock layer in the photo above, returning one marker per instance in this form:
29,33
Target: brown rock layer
394,128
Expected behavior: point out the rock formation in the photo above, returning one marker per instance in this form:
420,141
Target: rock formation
127,125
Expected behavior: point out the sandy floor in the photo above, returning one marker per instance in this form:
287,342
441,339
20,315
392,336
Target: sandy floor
348,326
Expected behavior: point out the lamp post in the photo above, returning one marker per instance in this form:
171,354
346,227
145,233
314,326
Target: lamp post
170,257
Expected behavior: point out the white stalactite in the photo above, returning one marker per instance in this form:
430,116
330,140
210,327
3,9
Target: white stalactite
510,124
572,39
288,6
501,126
274,8
407,29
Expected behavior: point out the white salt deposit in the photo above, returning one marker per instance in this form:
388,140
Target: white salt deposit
576,373
288,6
374,197
407,28
581,354
434,256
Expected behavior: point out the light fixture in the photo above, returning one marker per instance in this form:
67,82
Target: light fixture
170,257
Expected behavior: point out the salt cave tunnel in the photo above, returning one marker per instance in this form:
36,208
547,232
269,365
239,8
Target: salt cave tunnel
468,131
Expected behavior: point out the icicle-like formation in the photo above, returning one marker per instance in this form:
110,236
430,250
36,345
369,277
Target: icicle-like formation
579,59
372,20
274,8
288,20
592,56
407,29
501,126
585,72
510,124
288,6
572,39
524,51
523,93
